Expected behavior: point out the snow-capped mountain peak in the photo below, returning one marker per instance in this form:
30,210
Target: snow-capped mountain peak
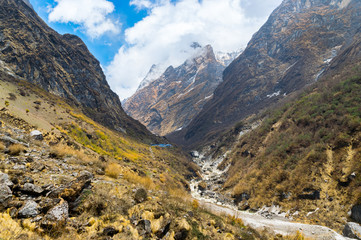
154,73
226,58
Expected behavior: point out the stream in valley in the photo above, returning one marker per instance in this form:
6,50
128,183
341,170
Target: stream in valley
205,191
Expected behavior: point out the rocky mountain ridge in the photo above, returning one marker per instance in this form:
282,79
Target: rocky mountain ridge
60,64
292,50
169,102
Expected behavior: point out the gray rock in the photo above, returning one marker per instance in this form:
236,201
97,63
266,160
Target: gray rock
140,195
144,227
4,179
356,213
27,179
352,230
48,203
58,215
30,209
32,189
5,195
37,135
19,167
11,140
110,231
76,186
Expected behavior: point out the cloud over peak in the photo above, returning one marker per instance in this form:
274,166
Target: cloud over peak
91,15
165,36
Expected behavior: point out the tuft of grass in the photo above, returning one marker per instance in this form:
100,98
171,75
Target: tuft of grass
61,151
132,177
2,146
10,229
16,149
113,170
195,204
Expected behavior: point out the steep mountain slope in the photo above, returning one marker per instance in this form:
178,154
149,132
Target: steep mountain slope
170,102
289,52
76,179
60,64
304,156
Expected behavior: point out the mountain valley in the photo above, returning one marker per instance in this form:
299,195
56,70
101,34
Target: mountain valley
258,144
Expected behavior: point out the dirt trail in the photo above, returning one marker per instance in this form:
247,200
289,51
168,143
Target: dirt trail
277,224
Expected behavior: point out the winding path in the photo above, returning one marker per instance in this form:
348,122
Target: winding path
277,224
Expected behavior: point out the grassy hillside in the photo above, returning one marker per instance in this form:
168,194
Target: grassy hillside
306,155
84,181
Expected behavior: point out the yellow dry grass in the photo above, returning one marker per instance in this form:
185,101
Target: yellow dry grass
113,170
298,236
16,149
2,147
11,229
61,151
132,177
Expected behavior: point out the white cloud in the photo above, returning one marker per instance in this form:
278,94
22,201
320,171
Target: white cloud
91,15
141,4
165,35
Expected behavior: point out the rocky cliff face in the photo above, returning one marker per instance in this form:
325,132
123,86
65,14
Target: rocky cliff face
293,49
170,102
60,64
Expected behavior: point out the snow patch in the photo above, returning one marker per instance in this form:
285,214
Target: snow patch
154,73
226,58
182,94
341,4
208,97
318,75
275,94
290,67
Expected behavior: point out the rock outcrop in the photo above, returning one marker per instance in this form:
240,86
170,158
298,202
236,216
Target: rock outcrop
352,230
168,103
60,64
292,50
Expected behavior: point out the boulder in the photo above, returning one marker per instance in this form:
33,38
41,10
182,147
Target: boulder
183,231
241,197
71,191
356,213
110,231
30,209
31,189
144,227
48,203
37,135
163,229
57,216
9,140
202,186
26,179
352,230
140,195
310,194
5,195
4,179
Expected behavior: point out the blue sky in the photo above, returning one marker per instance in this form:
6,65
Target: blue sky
105,47
129,36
